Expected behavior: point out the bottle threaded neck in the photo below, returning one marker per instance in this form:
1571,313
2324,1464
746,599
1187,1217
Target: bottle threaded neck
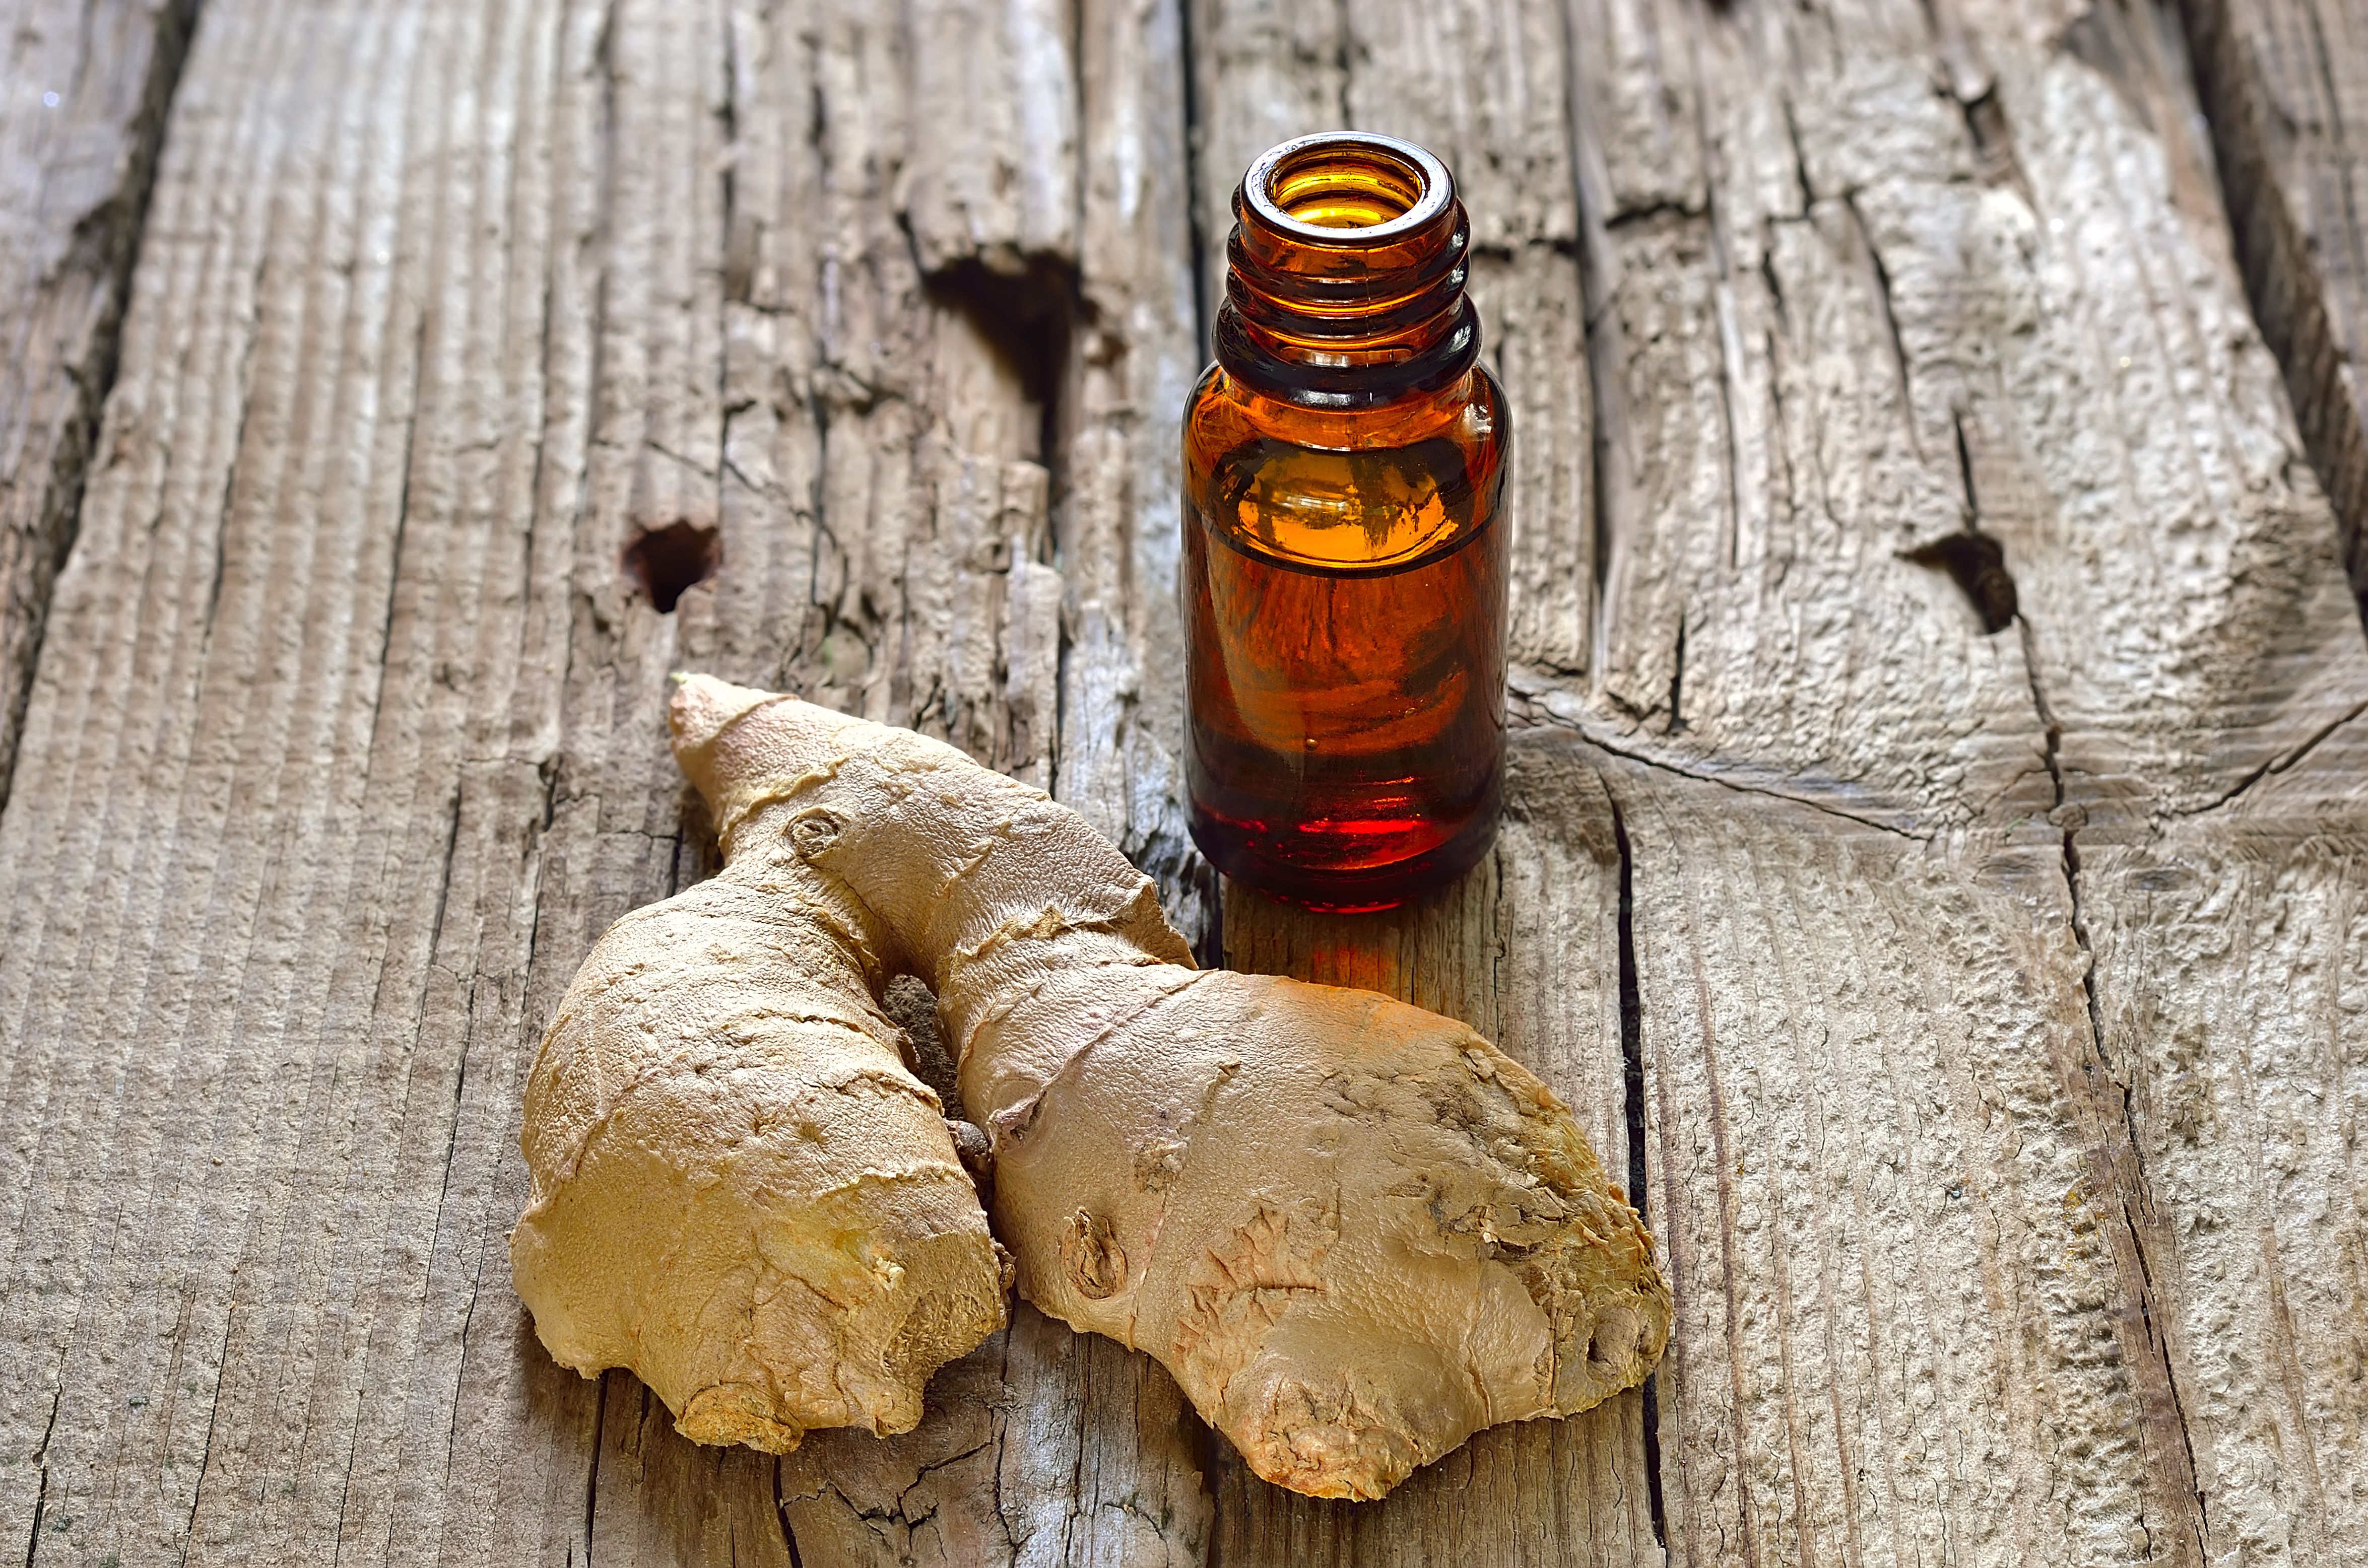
1347,261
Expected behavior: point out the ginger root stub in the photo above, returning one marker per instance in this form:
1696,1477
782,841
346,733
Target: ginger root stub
1355,1231
739,1192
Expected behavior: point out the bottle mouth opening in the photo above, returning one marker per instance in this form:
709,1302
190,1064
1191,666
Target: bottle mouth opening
1348,188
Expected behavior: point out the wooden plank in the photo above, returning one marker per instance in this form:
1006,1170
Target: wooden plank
1134,357
1769,458
1878,1137
1075,1450
1841,328
2232,993
2285,83
88,83
2231,939
541,1465
1044,1446
270,875
2211,766
1844,315
365,722
356,1061
884,498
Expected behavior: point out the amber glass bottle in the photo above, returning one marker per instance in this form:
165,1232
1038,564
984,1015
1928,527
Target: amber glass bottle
1344,568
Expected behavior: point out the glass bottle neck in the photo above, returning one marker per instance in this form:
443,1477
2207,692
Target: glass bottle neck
1344,287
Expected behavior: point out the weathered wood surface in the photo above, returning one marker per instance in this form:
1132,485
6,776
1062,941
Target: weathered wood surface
1980,1014
1863,282
2286,86
81,115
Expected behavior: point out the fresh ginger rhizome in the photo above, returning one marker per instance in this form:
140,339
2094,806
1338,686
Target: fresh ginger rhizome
1355,1231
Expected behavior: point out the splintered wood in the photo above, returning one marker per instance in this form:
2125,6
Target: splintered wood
1935,868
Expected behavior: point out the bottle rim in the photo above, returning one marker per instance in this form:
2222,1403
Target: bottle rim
1434,186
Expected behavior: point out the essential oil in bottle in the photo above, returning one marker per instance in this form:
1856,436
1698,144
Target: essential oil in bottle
1344,567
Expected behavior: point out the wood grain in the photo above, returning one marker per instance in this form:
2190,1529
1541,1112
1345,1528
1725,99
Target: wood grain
1770,456
1882,1156
80,120
2286,85
2013,198
1983,1010
270,881
2210,743
1132,359
2229,940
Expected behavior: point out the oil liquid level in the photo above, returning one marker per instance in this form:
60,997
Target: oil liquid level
1346,622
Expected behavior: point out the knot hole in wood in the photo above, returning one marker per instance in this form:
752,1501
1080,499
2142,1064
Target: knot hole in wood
664,562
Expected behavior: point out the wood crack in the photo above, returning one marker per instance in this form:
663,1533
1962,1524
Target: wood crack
228,511
2152,1372
781,1519
1595,737
102,256
1197,223
2281,763
1631,1054
402,520
1974,558
1881,274
213,1416
41,1459
1647,212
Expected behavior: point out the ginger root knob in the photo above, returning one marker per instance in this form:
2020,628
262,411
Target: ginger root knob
740,1193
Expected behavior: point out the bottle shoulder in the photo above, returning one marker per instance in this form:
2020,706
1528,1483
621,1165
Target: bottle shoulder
1222,412
1372,491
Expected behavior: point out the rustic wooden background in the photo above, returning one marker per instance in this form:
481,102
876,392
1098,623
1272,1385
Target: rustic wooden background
1979,1001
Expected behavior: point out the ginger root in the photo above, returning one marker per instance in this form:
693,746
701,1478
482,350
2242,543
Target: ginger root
1355,1231
739,1190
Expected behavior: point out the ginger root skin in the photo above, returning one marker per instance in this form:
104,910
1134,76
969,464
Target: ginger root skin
1354,1231
740,1193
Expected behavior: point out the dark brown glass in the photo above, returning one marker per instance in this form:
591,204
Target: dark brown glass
1344,566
